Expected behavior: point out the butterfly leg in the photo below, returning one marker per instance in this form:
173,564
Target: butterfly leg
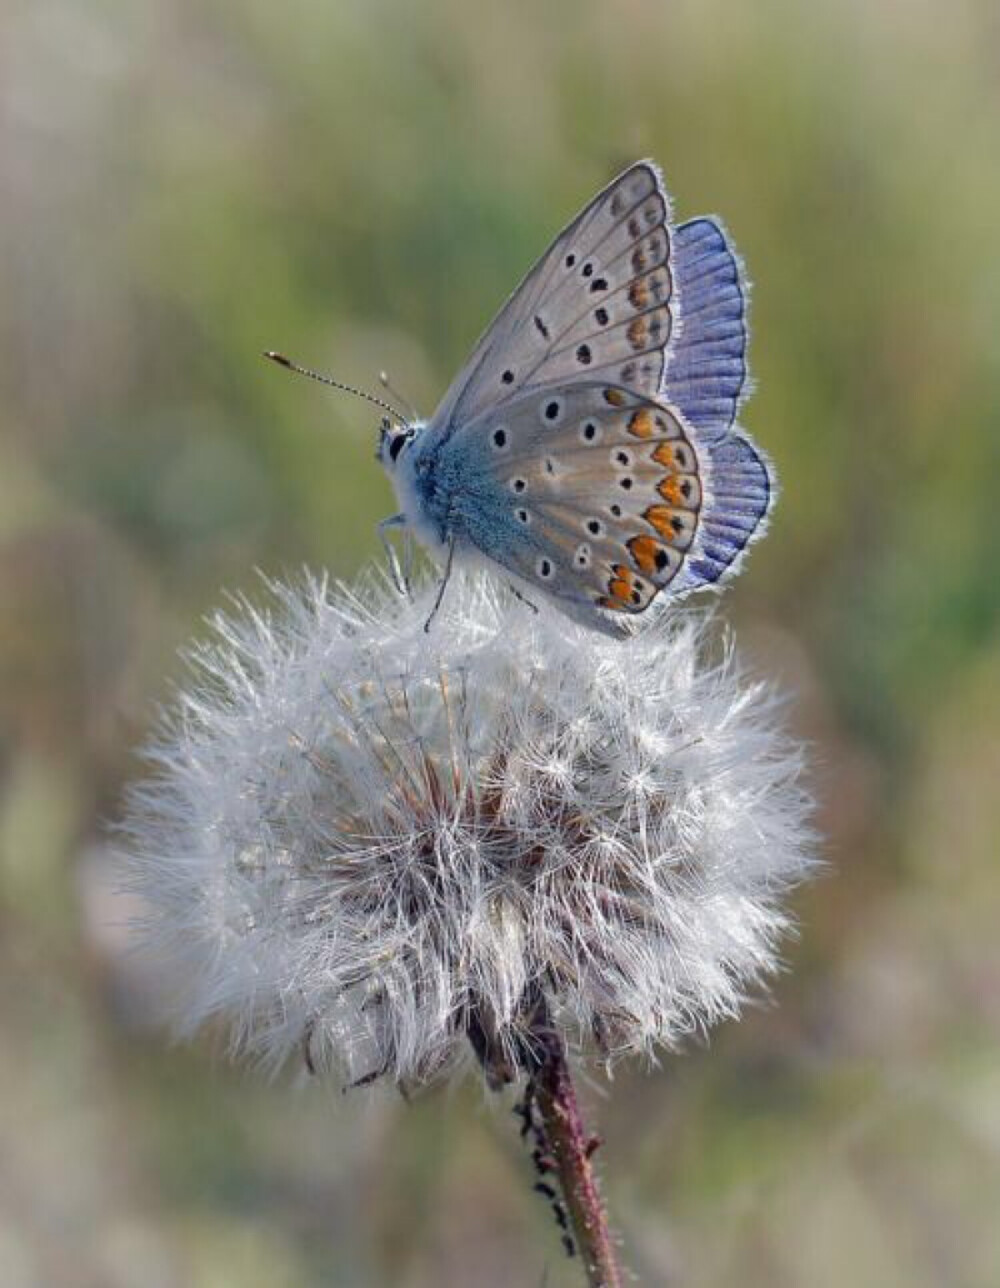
446,577
523,598
400,576
407,559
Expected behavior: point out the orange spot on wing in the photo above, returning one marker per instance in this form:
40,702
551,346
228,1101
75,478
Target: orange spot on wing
641,424
664,455
661,517
670,489
638,333
625,587
648,554
638,293
614,397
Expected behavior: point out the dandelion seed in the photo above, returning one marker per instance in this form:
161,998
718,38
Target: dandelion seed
380,850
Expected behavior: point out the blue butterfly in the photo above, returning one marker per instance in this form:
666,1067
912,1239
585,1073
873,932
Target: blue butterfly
588,447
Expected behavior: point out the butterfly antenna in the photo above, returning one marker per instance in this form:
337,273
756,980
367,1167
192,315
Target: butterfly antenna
282,361
411,411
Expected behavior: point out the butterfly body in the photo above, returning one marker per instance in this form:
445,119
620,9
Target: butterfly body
588,448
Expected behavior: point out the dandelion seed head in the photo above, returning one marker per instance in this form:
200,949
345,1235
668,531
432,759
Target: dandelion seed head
371,844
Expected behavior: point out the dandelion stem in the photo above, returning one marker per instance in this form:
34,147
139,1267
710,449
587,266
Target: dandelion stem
568,1150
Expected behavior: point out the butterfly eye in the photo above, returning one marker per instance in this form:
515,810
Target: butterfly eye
397,444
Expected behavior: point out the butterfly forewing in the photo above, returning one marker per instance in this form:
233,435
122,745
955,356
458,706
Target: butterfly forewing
597,305
590,492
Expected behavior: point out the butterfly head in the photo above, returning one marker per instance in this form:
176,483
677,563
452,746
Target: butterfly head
392,443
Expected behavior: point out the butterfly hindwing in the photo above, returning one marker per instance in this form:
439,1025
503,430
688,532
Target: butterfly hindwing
597,305
707,372
738,495
589,492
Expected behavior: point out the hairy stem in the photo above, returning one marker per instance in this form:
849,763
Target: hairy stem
553,1112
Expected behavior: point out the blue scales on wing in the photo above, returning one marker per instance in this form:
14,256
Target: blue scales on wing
705,380
707,368
739,491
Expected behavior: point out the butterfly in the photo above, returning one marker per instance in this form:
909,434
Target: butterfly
587,448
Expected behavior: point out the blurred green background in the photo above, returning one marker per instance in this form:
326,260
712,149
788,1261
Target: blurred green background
186,182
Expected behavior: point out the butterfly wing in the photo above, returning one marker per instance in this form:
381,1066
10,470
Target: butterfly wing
590,493
707,372
706,380
597,305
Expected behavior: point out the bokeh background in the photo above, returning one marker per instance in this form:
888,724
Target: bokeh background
186,182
